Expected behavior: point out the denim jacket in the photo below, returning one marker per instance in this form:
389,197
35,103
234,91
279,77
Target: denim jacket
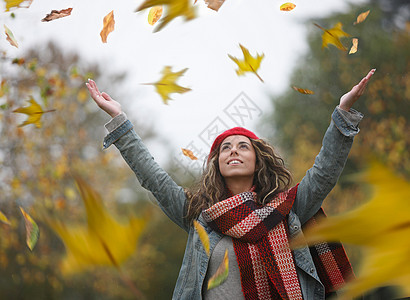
313,188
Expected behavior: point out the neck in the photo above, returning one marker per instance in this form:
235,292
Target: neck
238,185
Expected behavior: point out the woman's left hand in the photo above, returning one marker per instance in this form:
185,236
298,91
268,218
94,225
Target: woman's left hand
348,99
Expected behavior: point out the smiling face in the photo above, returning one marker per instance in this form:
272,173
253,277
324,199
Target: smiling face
237,158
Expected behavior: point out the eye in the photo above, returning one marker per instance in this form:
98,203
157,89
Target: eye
244,146
225,147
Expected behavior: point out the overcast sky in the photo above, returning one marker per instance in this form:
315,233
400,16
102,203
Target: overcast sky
201,45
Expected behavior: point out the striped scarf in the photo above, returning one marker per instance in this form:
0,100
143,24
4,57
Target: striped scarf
260,240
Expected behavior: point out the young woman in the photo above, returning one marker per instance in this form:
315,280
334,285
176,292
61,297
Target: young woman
244,202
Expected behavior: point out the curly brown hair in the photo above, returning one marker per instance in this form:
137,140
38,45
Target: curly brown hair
271,178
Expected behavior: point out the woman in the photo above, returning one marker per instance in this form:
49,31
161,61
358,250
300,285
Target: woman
244,202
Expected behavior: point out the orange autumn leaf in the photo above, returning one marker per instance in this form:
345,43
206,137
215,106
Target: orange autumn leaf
57,14
361,17
175,8
10,37
34,112
303,91
221,273
249,63
16,3
203,236
108,26
287,6
189,154
154,14
333,36
355,43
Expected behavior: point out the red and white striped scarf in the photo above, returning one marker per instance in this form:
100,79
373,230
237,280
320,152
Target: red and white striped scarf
260,239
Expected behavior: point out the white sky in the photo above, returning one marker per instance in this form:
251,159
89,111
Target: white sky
201,45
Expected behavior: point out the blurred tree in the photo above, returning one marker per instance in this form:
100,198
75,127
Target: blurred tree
36,168
298,121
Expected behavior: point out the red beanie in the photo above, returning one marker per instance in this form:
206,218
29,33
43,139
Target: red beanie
233,131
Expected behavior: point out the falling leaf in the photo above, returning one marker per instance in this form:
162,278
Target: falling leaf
189,153
333,35
4,219
108,26
154,14
355,43
381,227
167,84
221,273
203,236
32,231
361,17
16,3
10,37
287,6
34,112
104,241
57,14
303,91
213,4
249,63
174,9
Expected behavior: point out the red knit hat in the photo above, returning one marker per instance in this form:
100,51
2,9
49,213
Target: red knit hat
233,131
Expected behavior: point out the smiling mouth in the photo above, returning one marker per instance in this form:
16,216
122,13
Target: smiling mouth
234,162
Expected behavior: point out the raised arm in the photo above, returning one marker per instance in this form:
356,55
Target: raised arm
329,163
171,197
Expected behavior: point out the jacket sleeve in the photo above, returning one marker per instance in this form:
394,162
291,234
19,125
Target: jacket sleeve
170,196
329,163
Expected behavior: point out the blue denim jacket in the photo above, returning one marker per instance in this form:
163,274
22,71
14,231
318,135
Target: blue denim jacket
313,188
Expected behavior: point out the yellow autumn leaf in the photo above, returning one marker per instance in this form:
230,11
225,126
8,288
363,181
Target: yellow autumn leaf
303,91
4,219
381,227
108,26
34,112
154,14
287,6
16,3
189,154
174,8
32,231
104,241
167,84
10,37
333,36
361,17
221,273
249,63
203,236
355,43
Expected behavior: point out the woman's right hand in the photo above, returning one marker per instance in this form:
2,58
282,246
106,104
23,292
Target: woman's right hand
103,100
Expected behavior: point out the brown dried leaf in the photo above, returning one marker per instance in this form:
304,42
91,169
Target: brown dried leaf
57,14
108,26
214,4
10,37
